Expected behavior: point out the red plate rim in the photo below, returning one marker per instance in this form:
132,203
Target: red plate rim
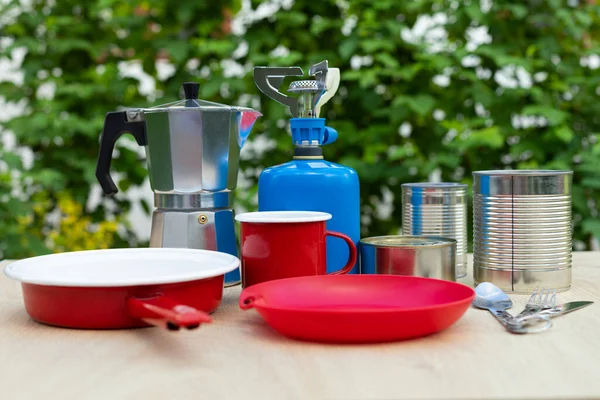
247,294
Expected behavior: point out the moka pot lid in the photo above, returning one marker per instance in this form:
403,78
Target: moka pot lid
192,103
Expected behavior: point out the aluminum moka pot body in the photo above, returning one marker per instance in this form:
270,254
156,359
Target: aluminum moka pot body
192,149
195,151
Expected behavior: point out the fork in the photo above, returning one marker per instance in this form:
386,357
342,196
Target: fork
541,299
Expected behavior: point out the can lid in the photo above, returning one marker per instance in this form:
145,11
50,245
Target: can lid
408,241
523,182
435,185
526,172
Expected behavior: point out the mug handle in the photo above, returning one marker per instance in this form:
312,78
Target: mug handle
351,247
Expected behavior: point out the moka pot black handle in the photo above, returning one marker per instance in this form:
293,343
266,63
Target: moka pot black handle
115,125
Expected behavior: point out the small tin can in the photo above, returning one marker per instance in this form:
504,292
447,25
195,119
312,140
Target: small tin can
424,256
522,229
437,209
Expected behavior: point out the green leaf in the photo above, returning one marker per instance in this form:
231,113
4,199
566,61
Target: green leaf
437,62
64,46
583,18
222,48
449,160
124,184
518,10
401,152
178,51
12,160
590,165
146,206
568,21
564,133
580,201
591,183
15,207
487,138
374,45
554,116
409,71
559,164
422,104
291,19
211,88
591,226
348,47
50,178
320,25
37,246
500,55
387,60
474,12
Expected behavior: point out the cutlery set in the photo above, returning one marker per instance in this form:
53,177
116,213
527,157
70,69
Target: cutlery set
535,317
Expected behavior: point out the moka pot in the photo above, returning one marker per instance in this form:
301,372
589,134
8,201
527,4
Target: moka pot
192,151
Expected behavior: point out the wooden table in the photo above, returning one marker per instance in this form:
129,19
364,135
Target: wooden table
238,357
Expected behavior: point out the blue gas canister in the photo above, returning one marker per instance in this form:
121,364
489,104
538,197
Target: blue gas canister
309,182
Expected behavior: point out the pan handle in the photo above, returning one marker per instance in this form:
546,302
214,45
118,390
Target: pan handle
164,312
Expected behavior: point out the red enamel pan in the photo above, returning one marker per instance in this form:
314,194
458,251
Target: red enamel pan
358,308
123,288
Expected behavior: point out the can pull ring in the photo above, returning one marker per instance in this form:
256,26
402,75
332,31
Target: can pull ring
352,256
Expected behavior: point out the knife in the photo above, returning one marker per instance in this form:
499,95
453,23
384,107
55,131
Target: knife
565,308
555,311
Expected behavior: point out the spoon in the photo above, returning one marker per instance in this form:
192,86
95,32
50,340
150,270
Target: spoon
490,297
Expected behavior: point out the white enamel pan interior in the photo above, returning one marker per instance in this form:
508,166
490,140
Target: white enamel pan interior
122,267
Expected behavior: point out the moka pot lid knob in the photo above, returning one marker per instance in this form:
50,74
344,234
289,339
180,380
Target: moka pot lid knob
190,90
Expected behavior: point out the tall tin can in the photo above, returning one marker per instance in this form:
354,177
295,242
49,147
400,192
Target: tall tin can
437,209
522,229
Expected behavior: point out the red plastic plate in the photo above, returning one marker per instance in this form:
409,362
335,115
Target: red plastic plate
358,308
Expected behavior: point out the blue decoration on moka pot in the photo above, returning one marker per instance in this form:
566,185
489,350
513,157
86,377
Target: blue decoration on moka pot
308,182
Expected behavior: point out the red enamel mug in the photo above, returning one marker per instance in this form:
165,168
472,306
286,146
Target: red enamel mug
286,244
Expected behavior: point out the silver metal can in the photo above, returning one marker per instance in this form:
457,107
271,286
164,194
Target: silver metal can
437,209
425,256
522,229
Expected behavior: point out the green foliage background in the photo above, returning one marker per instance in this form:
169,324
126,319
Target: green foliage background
464,125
